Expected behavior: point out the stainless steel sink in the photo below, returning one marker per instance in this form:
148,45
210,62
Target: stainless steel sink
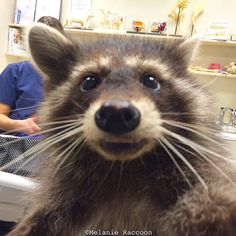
228,136
227,132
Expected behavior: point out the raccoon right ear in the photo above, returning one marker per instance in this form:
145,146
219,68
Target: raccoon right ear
189,48
53,53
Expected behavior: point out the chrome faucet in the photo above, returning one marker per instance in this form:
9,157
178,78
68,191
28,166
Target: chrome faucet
227,116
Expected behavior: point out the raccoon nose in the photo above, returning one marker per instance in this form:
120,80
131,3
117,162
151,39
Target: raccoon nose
117,117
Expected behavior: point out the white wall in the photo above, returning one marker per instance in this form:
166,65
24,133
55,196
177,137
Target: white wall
158,10
7,14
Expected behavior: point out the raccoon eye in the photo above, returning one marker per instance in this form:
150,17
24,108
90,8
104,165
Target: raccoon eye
89,83
150,82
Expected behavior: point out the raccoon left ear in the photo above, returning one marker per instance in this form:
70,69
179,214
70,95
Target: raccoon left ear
189,49
53,53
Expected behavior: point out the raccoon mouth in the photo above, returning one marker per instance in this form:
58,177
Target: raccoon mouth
122,147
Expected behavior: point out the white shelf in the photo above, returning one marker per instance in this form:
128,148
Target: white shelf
16,25
94,32
227,43
11,54
204,42
213,74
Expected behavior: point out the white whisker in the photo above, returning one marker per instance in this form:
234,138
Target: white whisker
35,155
121,172
18,139
217,168
184,149
50,142
174,161
193,126
39,148
185,161
209,83
56,128
25,108
70,149
40,132
191,143
175,124
58,122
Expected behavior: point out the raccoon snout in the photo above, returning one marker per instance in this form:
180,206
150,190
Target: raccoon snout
117,117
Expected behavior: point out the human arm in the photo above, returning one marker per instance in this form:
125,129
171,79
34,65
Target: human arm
28,125
9,95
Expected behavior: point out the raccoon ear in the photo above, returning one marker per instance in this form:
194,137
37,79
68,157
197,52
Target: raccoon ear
53,53
189,48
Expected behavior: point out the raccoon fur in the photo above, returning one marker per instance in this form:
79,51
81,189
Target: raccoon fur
132,147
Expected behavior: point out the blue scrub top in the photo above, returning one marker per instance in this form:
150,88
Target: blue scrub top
21,89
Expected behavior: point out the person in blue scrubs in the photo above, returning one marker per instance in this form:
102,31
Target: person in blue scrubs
21,93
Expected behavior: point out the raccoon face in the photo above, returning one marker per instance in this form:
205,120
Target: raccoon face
123,91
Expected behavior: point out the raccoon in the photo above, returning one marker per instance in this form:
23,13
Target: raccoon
130,141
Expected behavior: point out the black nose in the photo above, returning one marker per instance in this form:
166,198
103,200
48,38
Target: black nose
117,117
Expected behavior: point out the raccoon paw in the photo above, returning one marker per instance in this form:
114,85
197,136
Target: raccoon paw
220,226
202,213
